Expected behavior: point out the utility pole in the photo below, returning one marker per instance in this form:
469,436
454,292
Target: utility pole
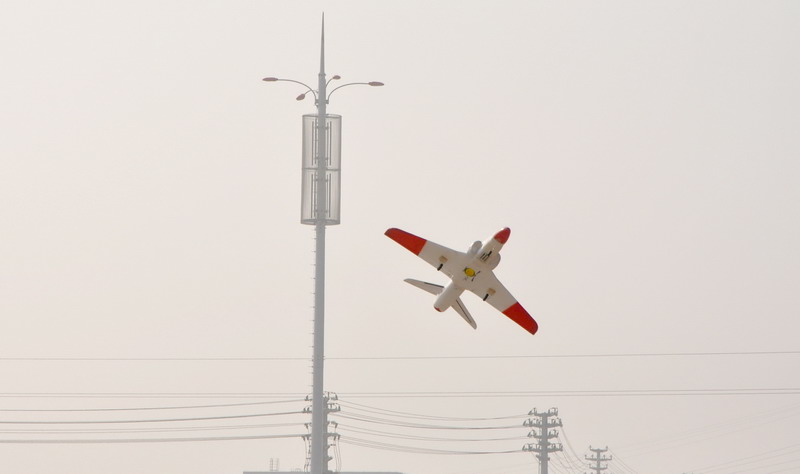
543,422
597,457
320,207
331,406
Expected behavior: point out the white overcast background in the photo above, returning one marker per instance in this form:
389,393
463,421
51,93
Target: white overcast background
644,155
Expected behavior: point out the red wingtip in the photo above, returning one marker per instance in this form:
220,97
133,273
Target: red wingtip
503,235
518,314
409,241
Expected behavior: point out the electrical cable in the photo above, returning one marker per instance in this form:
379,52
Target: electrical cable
569,446
384,421
150,430
792,468
433,394
370,409
759,469
581,393
559,464
505,469
621,463
186,407
385,434
151,395
141,440
384,358
414,449
162,420
725,427
574,463
739,461
556,468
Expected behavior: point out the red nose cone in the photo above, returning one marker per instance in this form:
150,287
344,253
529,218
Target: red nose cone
503,235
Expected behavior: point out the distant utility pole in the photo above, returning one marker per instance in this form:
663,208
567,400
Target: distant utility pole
543,422
597,457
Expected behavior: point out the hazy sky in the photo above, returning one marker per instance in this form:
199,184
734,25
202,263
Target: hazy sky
644,154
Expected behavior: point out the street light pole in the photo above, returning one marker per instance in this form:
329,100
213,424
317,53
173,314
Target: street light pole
319,418
321,188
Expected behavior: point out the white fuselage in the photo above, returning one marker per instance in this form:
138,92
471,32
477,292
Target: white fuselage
483,261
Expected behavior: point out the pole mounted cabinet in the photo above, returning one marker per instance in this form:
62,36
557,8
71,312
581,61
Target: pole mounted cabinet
329,150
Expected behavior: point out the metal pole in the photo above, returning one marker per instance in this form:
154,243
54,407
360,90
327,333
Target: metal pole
543,442
319,429
543,447
320,193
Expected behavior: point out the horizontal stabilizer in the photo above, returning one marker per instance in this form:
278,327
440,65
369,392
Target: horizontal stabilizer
424,285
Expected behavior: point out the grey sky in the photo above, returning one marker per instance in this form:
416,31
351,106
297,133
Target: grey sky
644,154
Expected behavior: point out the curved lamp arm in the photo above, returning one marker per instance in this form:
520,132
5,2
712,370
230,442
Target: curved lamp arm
371,83
334,78
299,97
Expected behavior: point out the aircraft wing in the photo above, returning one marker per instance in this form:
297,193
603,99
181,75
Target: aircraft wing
447,260
494,293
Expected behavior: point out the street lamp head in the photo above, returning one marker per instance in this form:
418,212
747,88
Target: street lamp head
301,96
375,83
270,79
336,77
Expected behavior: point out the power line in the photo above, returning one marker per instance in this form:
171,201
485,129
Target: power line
565,462
760,469
428,394
581,393
386,358
161,420
152,359
575,457
566,356
620,464
389,422
792,468
792,448
386,434
150,430
151,395
185,407
494,469
369,409
415,449
142,440
705,432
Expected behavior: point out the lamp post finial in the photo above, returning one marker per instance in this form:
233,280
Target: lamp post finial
322,48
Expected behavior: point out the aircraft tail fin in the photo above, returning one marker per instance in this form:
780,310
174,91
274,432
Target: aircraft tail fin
435,289
462,311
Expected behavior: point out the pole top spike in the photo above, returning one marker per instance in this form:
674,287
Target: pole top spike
322,47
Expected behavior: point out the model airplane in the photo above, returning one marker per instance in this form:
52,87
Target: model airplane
468,271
